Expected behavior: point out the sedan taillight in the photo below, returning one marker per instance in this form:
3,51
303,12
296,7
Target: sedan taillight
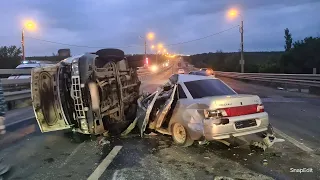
260,108
235,111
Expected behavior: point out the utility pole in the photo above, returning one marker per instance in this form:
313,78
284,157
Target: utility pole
242,58
22,43
145,49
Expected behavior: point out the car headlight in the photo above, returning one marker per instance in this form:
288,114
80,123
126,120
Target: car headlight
154,68
75,68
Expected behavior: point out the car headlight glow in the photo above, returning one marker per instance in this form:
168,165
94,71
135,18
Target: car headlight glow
154,68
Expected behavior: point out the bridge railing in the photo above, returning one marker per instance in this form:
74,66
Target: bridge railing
15,89
309,80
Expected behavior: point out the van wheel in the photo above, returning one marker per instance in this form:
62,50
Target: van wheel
180,135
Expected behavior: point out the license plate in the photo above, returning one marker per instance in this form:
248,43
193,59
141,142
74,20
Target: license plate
245,123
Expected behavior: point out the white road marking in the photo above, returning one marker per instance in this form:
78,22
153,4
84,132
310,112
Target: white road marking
72,154
293,141
25,119
104,164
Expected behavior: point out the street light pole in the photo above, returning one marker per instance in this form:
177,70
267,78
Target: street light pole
145,49
22,44
242,57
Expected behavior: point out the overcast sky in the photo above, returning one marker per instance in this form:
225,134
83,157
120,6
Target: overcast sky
119,23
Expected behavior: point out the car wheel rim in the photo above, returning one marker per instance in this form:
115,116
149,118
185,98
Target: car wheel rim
180,133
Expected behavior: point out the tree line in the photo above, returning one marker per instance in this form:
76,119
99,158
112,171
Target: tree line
298,57
10,58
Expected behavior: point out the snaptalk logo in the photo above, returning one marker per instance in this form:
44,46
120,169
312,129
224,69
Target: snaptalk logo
301,170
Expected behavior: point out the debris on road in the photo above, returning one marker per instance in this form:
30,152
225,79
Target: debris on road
204,142
223,178
207,157
130,128
103,141
265,162
273,154
152,134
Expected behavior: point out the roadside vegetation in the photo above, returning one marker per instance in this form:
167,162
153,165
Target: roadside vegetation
300,56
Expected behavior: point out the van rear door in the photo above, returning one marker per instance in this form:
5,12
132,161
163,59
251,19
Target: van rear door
46,99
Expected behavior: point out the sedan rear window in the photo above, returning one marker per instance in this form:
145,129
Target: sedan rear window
207,88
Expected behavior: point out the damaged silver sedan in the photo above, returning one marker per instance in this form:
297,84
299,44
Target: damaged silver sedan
202,108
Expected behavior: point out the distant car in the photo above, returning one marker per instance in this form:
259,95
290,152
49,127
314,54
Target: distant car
181,71
27,65
207,70
201,73
190,107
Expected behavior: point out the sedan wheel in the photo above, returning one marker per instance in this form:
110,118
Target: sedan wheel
180,135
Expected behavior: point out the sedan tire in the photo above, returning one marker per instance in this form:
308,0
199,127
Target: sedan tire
180,135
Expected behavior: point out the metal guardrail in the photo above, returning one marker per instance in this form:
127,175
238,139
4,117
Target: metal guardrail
309,80
15,89
17,95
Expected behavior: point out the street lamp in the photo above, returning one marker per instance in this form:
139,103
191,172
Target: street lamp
160,46
149,36
28,25
233,13
152,47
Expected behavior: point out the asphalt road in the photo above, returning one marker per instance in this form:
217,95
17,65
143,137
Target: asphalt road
34,155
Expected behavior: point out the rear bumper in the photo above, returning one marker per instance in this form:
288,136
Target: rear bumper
212,131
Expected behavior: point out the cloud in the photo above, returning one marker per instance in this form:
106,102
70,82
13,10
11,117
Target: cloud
119,23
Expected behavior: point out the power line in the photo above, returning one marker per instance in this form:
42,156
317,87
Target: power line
203,37
54,42
174,44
